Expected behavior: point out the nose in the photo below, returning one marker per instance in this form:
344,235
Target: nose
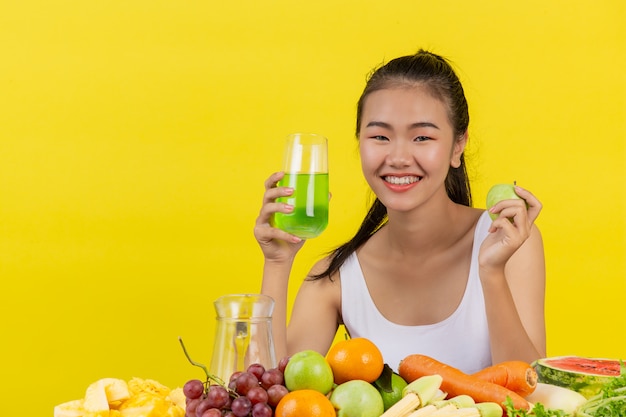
399,154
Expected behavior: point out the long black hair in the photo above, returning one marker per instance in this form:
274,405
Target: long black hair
435,73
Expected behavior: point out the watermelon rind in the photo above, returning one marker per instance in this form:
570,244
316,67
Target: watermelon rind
583,380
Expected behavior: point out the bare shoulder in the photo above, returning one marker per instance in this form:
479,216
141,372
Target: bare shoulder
472,214
468,218
326,287
320,266
533,247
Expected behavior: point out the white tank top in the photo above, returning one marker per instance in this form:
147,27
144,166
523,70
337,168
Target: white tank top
461,340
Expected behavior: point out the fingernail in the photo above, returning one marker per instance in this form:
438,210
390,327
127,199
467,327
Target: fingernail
296,239
288,207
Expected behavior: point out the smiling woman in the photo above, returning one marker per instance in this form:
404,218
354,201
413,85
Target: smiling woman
132,132
426,273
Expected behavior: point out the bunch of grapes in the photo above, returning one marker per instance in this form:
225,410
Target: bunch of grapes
254,392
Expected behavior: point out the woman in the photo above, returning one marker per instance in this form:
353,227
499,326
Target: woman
426,273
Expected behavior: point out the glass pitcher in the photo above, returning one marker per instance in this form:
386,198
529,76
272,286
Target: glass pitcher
243,335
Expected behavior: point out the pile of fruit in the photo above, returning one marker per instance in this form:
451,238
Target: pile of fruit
305,384
255,391
353,381
113,397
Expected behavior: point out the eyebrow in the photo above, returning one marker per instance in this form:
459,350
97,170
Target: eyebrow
385,125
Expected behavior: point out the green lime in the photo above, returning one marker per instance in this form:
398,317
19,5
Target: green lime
390,397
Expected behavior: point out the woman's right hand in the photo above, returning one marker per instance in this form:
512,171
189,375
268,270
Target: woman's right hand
276,244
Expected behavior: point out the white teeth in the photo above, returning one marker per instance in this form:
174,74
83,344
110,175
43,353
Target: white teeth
401,180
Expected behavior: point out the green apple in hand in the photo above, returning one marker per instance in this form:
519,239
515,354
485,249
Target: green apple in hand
309,369
357,398
498,193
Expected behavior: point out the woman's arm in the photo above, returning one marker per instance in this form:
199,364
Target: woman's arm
279,250
512,272
275,284
316,313
514,300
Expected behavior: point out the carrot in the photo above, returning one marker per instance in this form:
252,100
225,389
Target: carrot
456,382
517,376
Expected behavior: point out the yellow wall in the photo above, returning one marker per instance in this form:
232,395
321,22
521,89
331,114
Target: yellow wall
135,137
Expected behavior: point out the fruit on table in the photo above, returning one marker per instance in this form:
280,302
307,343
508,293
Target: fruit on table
149,404
556,398
73,408
254,392
357,398
355,358
305,403
112,397
260,392
583,375
498,193
390,389
96,401
418,393
309,369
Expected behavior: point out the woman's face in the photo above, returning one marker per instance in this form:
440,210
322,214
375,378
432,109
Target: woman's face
407,146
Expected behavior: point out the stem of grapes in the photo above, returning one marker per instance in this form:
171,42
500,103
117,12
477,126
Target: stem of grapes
204,368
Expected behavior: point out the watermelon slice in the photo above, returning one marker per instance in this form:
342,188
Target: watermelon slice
584,375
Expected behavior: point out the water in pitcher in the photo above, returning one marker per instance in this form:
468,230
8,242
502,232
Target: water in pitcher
243,334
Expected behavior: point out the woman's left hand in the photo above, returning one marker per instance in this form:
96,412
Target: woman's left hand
510,230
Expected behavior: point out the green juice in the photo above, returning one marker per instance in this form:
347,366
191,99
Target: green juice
310,201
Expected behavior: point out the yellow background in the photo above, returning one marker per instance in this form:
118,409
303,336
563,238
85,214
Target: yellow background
135,137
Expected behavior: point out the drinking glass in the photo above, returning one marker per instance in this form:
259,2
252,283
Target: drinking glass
306,171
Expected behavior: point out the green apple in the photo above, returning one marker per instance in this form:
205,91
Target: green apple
392,393
309,369
498,193
357,398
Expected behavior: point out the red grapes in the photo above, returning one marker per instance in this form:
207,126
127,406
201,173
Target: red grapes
257,370
262,410
217,397
254,392
241,406
245,382
275,393
193,389
212,412
272,377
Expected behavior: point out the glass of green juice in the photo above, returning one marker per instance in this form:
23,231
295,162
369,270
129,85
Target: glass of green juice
306,171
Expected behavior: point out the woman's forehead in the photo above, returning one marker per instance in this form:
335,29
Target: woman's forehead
404,101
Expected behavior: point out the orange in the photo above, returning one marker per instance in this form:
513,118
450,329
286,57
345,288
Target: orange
357,358
304,403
